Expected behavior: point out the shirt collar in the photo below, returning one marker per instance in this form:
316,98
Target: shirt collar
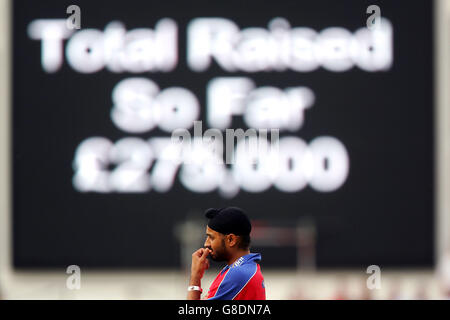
244,259
248,257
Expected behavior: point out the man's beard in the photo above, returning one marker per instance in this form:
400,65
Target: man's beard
220,255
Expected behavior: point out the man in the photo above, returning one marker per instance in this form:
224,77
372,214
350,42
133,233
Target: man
228,239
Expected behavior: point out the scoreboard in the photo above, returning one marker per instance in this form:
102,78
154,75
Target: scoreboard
337,95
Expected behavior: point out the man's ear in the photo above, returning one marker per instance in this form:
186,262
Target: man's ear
232,239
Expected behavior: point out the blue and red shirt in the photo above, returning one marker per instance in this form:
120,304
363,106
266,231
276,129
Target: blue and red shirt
242,280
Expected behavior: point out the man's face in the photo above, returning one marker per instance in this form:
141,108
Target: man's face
215,241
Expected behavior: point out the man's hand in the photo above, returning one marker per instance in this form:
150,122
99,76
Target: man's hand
199,263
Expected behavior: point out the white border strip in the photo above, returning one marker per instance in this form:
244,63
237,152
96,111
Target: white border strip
442,126
5,144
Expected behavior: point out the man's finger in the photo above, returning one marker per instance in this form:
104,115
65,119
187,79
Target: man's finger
205,253
199,252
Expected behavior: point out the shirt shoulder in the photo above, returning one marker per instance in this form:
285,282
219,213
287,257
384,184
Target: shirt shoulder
234,281
242,273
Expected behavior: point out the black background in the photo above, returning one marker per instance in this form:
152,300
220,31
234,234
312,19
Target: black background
382,215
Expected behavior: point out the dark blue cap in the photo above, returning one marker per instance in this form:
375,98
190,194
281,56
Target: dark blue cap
229,220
